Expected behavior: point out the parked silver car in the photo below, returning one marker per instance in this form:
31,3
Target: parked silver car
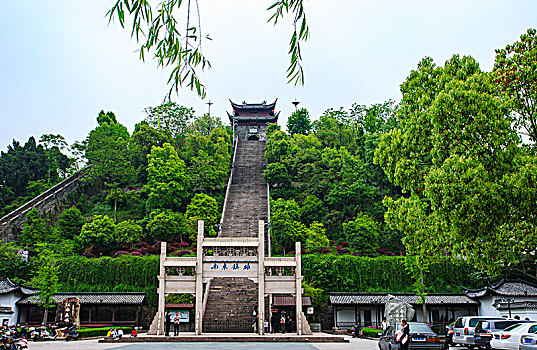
464,329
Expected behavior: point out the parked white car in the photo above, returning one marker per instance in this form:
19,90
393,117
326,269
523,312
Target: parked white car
509,338
528,342
464,329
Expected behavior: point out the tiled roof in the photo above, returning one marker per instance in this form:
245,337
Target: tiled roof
505,288
179,305
290,301
8,286
93,298
382,298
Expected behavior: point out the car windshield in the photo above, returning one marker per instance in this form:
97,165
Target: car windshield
513,327
482,325
417,328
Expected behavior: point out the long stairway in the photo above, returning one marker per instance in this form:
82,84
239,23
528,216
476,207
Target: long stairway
247,198
231,300
230,305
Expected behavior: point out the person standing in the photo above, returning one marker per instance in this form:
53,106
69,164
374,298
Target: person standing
282,324
384,325
405,335
167,323
176,324
266,326
274,322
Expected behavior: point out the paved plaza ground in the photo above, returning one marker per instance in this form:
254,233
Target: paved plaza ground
357,344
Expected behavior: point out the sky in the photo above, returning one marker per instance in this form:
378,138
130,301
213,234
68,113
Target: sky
61,62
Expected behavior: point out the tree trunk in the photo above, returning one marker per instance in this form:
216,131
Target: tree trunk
115,206
45,315
423,306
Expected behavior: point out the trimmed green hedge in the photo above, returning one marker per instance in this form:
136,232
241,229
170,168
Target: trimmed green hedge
346,273
101,331
332,273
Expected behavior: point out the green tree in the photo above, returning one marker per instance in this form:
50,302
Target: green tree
70,223
167,179
108,153
165,225
170,117
99,233
515,74
299,122
58,163
205,124
36,230
312,209
143,139
20,165
46,278
362,233
127,233
202,207
455,155
316,237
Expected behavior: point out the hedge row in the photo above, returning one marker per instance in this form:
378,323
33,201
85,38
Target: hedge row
346,273
329,272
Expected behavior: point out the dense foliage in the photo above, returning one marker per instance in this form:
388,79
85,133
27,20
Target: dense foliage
323,175
468,178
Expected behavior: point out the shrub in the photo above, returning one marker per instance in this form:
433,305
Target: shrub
183,252
120,253
142,245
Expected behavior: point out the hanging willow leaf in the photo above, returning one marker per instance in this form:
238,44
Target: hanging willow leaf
295,72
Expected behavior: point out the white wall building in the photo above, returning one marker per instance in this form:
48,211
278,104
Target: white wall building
507,298
368,308
10,293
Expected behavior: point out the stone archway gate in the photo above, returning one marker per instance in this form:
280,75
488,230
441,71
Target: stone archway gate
230,257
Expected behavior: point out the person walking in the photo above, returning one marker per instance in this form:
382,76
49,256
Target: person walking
282,324
405,335
167,323
176,324
266,326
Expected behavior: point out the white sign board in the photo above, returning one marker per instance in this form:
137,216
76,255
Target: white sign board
184,316
309,311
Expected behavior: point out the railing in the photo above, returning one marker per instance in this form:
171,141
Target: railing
229,326
228,187
269,248
206,297
42,197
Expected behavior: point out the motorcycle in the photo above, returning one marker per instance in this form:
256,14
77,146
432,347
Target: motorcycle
356,331
69,333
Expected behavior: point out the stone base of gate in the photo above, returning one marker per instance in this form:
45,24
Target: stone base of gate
190,337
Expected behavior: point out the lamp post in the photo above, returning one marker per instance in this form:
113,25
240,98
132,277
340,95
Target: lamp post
295,103
508,301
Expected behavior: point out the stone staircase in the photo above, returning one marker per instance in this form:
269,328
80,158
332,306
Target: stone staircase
247,198
230,305
231,300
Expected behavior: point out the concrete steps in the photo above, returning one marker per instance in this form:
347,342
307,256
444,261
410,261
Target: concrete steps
230,305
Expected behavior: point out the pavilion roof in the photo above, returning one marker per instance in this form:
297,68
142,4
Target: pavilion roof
264,106
8,286
504,287
383,298
106,298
